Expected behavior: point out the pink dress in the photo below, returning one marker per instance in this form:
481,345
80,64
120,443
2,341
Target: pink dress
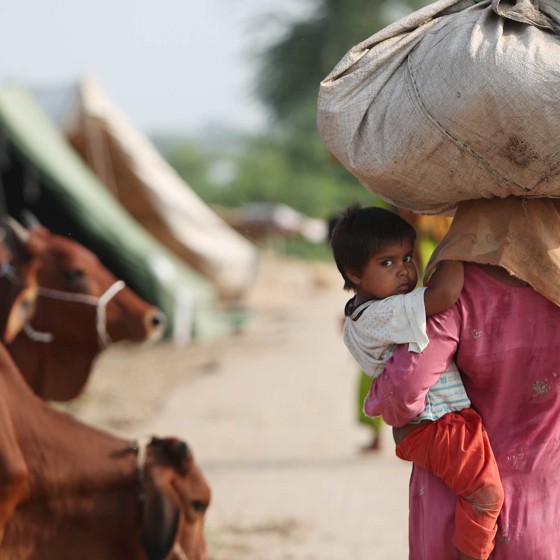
506,342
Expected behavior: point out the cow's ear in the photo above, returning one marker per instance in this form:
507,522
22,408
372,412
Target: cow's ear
160,521
179,454
29,220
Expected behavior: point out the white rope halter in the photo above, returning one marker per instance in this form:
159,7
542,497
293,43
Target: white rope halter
37,336
100,304
141,446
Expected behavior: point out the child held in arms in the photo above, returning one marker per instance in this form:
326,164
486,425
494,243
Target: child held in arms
373,250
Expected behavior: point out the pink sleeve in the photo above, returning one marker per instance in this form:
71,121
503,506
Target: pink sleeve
399,393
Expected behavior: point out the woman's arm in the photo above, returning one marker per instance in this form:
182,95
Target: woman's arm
399,393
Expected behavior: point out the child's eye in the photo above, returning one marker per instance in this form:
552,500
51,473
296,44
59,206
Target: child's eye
386,263
408,258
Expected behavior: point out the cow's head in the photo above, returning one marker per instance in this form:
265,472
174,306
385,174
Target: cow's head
176,499
19,266
76,289
81,308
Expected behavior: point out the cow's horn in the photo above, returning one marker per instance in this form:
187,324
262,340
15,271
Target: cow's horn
19,233
30,220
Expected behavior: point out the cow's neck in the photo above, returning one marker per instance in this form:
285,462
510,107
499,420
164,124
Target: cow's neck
54,370
75,472
66,371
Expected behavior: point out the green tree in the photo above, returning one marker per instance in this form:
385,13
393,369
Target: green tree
269,167
292,68
289,168
288,162
290,72
192,161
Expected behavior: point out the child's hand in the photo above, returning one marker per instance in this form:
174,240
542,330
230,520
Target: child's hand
444,287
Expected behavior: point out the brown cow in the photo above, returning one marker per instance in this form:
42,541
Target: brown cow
81,309
71,491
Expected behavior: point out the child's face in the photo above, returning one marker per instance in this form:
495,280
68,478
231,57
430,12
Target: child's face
389,271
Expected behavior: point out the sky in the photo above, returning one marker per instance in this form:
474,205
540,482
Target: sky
170,65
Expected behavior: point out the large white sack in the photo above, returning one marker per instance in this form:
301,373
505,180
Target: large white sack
459,100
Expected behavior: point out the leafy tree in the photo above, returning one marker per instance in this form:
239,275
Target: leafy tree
192,161
286,168
292,68
288,81
268,167
288,163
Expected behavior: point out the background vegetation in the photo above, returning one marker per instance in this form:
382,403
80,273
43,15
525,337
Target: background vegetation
287,163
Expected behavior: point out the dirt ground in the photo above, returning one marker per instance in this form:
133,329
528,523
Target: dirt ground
270,417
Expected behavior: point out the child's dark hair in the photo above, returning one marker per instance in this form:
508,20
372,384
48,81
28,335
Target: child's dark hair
361,232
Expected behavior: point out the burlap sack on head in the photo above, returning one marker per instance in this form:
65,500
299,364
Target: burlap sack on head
456,101
521,235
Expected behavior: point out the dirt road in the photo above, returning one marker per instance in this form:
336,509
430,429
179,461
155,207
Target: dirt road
270,417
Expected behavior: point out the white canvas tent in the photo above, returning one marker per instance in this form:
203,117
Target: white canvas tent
40,173
132,169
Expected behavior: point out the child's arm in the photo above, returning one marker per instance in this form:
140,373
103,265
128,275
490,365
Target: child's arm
444,287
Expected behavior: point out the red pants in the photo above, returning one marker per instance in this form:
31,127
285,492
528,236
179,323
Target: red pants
456,449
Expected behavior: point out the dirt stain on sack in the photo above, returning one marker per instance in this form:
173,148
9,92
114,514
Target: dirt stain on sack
519,151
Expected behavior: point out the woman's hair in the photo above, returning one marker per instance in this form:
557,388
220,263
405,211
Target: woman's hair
361,232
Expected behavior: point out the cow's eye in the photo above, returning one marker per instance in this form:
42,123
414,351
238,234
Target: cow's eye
74,275
199,506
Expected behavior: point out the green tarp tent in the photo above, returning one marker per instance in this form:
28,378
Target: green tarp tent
41,173
139,177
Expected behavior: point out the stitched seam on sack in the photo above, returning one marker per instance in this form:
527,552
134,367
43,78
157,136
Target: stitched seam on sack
461,145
